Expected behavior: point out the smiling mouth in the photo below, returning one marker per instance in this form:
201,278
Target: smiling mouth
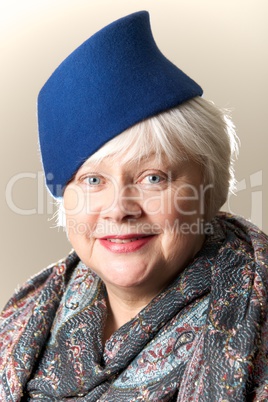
123,241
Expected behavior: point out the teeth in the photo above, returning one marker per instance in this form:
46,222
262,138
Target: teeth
122,241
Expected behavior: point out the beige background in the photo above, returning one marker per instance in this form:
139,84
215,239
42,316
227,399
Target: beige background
222,44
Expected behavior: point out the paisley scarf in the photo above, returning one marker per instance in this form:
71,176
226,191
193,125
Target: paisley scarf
204,338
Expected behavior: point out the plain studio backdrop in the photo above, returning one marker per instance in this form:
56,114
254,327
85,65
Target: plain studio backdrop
222,44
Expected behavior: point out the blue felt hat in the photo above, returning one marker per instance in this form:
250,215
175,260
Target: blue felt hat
115,79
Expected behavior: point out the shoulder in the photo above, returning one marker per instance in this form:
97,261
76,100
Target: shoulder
235,226
54,276
26,320
245,242
38,296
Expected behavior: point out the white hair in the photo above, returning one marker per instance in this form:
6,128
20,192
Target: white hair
196,130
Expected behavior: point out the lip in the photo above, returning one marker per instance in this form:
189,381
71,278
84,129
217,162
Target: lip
125,243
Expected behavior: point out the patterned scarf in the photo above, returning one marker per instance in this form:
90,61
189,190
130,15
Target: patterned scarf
202,339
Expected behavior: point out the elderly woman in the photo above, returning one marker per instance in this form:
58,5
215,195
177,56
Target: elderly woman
163,298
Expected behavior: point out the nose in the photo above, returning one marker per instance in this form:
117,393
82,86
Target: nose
125,206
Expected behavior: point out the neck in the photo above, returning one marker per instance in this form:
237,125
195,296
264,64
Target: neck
121,308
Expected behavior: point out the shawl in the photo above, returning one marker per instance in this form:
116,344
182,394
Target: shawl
204,338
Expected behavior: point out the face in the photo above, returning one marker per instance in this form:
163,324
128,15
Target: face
135,224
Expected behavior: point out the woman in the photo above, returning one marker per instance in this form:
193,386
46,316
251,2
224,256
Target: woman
163,298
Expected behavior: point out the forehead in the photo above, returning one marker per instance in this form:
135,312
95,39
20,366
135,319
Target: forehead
113,165
126,161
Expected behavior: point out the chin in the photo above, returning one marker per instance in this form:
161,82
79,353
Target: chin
125,274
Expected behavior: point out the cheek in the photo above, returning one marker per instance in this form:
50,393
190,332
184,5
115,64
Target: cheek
183,202
79,231
73,200
160,205
77,201
78,227
187,203
78,222
179,245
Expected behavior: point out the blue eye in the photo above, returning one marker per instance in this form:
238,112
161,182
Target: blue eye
93,181
154,179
